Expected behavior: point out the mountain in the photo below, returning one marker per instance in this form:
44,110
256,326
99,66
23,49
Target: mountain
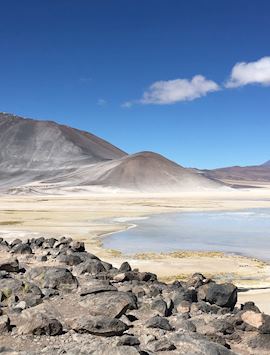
149,171
144,171
238,174
30,144
32,150
45,156
267,163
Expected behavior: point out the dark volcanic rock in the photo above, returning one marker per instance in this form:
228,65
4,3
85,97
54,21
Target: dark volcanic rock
42,258
223,295
22,248
4,324
179,295
38,242
158,322
92,267
204,307
129,340
112,304
10,287
222,326
181,322
162,344
135,276
125,267
70,259
49,243
40,324
4,246
196,280
52,277
250,306
260,342
199,345
77,246
14,290
100,325
15,242
39,320
30,294
160,307
11,265
62,243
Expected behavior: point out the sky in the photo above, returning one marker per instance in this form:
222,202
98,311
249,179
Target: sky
187,79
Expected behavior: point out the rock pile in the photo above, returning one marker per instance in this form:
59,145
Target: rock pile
57,298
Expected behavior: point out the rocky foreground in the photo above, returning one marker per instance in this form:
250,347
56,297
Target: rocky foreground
57,298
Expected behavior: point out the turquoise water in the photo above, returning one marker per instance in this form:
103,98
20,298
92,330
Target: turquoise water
241,232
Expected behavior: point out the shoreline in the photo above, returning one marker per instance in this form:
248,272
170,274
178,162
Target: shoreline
259,295
86,219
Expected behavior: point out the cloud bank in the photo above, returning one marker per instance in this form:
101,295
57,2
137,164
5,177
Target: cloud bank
250,73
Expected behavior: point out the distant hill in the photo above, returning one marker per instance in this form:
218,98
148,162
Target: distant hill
256,174
45,156
266,163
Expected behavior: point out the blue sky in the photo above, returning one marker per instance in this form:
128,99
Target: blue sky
82,62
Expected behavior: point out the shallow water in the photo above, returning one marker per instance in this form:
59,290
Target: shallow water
240,232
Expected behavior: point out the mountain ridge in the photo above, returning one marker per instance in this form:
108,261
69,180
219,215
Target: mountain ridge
255,173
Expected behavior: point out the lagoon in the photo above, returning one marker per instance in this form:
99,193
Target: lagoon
245,232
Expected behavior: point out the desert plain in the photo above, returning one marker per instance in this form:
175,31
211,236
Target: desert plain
89,217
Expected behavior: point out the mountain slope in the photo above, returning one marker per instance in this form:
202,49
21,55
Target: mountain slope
31,144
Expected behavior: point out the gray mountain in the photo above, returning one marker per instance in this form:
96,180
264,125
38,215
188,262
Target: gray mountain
30,144
32,150
44,155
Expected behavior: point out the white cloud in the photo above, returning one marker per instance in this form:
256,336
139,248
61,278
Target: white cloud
172,91
250,73
102,102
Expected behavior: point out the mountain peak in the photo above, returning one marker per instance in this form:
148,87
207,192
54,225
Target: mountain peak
29,144
267,163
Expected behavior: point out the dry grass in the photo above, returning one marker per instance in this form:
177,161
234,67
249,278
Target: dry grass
10,223
178,254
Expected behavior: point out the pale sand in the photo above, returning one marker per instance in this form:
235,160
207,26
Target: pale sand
89,217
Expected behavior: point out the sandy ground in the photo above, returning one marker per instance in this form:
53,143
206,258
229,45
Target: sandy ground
89,217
